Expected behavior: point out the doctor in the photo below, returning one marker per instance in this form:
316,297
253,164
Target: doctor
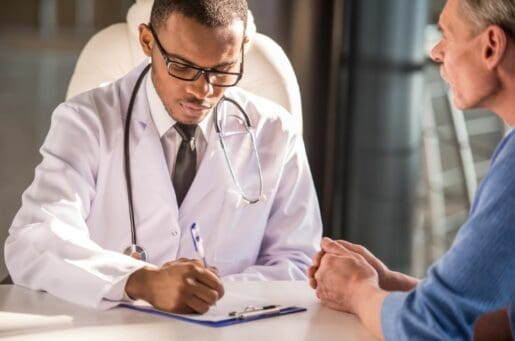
235,167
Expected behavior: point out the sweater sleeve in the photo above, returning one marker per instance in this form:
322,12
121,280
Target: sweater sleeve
475,276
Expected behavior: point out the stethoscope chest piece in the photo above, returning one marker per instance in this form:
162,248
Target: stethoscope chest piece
136,249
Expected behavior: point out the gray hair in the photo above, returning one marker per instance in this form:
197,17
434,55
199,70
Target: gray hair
483,13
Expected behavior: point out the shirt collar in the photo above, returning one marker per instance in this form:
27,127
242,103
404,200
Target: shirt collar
160,116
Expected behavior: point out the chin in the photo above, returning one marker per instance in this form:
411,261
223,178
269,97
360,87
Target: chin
459,105
187,119
457,100
191,121
191,116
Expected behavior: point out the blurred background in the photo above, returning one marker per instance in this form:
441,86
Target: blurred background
394,165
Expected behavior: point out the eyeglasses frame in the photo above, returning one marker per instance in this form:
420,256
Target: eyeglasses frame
200,71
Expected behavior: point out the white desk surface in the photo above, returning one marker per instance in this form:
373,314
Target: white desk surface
31,315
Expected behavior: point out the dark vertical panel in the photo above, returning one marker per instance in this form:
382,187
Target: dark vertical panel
382,81
338,130
311,51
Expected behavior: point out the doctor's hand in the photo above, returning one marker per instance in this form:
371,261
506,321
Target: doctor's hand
181,286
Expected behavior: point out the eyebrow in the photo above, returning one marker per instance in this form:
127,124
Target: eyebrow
187,61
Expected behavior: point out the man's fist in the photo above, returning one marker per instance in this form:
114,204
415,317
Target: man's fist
181,286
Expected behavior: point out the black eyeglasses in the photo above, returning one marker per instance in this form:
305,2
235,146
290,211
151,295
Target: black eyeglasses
188,72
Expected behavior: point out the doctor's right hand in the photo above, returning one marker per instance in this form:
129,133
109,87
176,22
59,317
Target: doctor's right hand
181,286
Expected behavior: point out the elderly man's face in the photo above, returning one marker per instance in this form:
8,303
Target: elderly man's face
460,54
189,42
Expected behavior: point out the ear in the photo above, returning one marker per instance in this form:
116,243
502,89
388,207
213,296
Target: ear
495,46
146,39
246,43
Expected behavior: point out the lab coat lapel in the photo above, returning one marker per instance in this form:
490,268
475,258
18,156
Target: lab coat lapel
150,176
211,174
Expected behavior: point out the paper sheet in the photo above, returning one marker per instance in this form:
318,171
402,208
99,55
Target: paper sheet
230,302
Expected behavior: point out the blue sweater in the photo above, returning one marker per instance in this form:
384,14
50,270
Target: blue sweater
476,275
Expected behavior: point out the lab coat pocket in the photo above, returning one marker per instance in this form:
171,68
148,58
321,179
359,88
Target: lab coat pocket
237,247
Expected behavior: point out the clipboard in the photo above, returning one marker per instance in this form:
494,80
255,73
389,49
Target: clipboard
247,314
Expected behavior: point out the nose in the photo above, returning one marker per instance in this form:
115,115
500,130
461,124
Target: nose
200,88
437,52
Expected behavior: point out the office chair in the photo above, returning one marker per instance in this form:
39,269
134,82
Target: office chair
115,50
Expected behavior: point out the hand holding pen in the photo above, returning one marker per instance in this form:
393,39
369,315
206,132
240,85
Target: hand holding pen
180,286
197,242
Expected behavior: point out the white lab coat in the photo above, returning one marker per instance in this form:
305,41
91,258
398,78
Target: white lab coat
69,235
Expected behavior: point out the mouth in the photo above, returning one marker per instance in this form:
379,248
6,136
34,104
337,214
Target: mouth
195,110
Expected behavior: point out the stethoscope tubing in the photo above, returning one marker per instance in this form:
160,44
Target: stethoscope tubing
127,162
126,147
221,135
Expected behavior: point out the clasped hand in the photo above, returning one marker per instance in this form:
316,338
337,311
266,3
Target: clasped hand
343,274
340,274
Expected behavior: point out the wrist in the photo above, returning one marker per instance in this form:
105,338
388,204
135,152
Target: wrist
137,284
402,282
361,297
397,281
390,281
368,308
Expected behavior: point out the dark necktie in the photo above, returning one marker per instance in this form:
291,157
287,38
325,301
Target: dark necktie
186,161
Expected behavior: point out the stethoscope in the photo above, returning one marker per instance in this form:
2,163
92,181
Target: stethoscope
134,248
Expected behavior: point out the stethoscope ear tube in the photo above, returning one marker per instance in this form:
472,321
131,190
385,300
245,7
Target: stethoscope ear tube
218,129
221,135
127,168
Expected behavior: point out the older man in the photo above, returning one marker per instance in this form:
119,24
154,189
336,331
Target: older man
477,275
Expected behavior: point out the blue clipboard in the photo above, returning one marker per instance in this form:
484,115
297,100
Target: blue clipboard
230,320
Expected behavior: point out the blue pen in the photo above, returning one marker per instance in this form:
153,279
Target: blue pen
197,242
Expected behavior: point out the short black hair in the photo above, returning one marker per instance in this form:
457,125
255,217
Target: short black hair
211,13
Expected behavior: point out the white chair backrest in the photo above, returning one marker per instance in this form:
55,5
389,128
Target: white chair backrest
115,50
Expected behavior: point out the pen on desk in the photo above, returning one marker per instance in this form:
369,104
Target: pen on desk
197,242
255,311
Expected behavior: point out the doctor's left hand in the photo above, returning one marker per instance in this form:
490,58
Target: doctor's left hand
181,286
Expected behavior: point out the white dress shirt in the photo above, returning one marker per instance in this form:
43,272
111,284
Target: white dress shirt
170,138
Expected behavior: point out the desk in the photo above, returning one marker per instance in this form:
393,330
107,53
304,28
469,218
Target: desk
49,318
